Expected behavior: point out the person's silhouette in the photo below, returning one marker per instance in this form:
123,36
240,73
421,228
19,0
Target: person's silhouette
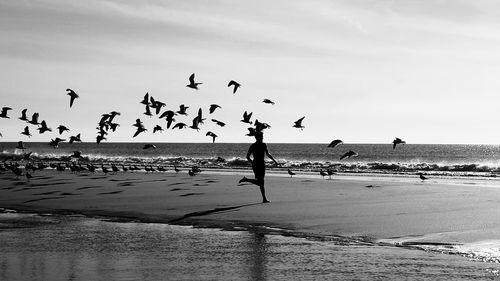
255,156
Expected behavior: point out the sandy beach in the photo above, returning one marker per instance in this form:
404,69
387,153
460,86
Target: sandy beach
365,209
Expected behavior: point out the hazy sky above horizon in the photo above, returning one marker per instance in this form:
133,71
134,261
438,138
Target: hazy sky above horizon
358,70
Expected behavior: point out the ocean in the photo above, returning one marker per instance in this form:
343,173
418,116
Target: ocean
53,247
442,159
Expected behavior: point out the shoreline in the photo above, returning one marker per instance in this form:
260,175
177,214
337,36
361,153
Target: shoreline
352,210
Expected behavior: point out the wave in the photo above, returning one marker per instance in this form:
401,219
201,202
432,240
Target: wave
482,169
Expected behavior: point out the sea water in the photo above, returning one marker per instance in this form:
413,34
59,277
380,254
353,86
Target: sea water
442,159
48,247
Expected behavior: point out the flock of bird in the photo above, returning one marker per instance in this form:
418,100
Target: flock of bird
153,107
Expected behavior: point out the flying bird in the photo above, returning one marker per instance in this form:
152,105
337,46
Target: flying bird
182,109
334,143
148,146
139,130
179,125
234,84
55,143
26,132
200,116
138,123
157,128
192,84
195,124
148,111
100,138
298,123
222,124
72,95
213,107
397,141
20,145
72,139
348,154
23,115
259,126
145,100
44,128
211,134
34,119
169,117
3,114
62,128
268,101
157,105
246,117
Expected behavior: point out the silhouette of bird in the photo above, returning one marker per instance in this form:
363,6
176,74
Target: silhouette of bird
20,145
291,173
422,177
222,124
23,115
145,100
157,128
157,105
195,124
100,138
148,111
72,139
139,130
179,125
55,142
334,143
251,132
348,154
234,84
192,84
26,132
169,117
213,107
397,141
34,119
182,109
138,123
298,123
62,128
72,95
148,146
4,112
330,172
112,115
44,128
268,101
246,117
323,173
259,126
211,134
200,116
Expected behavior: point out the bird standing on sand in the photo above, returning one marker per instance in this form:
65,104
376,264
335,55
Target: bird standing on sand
298,123
291,173
211,134
246,117
72,95
422,177
348,154
397,141
234,84
323,173
334,143
26,132
192,84
4,112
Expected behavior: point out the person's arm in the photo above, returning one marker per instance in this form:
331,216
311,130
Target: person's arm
270,156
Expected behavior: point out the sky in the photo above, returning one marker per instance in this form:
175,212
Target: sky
363,71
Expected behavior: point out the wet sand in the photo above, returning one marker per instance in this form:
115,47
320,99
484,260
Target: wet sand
387,209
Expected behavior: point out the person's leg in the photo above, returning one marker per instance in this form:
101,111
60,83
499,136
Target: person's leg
263,191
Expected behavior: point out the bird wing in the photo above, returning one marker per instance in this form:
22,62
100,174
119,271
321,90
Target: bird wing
191,79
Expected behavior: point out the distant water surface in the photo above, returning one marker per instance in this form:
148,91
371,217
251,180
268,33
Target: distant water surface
75,248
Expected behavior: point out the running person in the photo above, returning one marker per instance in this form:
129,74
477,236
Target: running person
255,156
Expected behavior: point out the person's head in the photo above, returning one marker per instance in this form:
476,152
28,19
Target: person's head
259,136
